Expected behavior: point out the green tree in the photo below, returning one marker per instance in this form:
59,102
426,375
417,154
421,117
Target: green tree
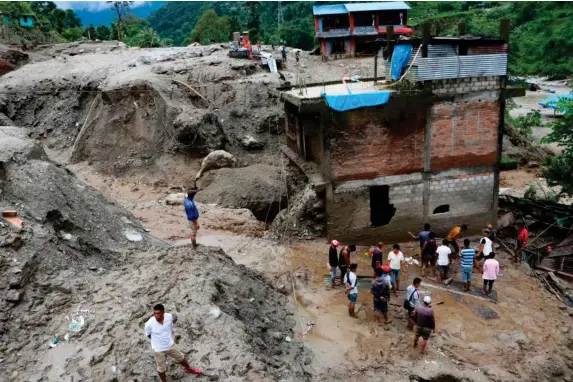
71,20
560,168
103,33
148,38
58,19
120,8
73,34
90,32
211,28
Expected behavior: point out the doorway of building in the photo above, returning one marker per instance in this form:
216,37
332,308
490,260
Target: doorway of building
381,211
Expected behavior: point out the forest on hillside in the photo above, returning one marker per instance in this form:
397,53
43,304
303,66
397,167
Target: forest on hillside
541,41
541,32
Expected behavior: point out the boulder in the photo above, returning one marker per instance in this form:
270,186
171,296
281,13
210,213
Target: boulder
259,188
251,143
216,159
199,135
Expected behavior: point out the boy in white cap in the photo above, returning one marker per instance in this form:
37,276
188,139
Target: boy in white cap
425,322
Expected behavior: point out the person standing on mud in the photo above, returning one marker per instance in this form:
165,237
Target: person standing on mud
490,272
192,214
522,238
412,300
344,261
377,257
423,236
284,53
467,265
444,252
425,322
486,245
159,329
333,261
429,255
351,281
381,294
396,262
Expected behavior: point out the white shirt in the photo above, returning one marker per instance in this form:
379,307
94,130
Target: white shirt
395,259
161,335
443,255
350,278
487,244
415,299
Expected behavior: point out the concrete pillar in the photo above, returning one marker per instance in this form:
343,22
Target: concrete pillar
236,38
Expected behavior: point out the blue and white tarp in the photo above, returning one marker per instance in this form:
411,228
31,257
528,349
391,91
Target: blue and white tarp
345,102
400,58
551,102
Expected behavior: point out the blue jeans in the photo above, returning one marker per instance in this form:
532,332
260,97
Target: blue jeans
333,273
467,274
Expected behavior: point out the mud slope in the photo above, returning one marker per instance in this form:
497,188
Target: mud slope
246,342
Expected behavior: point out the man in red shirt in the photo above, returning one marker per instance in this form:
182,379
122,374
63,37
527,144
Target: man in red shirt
522,237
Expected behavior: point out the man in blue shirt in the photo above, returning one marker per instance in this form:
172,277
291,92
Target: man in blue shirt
468,255
192,215
423,236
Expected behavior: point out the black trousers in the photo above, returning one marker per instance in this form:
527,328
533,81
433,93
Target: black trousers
486,283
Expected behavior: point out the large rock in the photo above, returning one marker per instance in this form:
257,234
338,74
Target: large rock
260,188
216,159
199,135
11,59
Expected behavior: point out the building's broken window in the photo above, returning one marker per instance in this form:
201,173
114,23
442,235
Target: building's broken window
381,211
442,209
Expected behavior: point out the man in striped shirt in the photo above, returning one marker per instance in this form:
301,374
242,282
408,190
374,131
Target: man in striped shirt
468,255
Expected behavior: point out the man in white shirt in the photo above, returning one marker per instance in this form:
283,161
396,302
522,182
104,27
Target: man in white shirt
486,245
444,253
396,263
159,329
351,281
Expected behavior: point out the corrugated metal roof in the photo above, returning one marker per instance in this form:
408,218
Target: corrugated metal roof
336,9
383,6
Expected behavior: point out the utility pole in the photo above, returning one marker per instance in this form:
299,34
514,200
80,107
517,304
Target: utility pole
280,18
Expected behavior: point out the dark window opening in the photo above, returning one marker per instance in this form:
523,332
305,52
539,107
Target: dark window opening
364,19
367,46
335,22
338,46
392,18
442,209
381,211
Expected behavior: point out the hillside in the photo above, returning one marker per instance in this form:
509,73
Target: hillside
541,35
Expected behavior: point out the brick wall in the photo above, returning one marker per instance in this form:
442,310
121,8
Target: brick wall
292,128
487,49
373,142
464,134
466,85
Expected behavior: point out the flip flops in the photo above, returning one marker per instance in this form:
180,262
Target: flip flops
193,371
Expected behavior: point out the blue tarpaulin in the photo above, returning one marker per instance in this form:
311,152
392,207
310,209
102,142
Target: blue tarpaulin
400,58
551,102
346,102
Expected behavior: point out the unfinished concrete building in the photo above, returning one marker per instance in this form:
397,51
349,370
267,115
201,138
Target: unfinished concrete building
393,156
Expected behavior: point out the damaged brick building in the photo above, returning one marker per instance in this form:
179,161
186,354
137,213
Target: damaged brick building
394,157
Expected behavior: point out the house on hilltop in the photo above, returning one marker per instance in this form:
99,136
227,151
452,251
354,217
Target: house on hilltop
350,29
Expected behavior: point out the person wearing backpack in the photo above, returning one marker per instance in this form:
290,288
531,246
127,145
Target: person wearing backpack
350,280
381,294
412,300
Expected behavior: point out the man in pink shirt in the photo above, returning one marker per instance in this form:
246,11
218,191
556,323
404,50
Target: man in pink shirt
490,272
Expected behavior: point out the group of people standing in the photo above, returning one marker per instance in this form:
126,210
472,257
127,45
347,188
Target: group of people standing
386,282
442,255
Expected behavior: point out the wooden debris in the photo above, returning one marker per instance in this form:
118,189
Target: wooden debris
190,88
562,288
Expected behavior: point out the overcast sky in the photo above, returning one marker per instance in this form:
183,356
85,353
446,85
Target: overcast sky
93,5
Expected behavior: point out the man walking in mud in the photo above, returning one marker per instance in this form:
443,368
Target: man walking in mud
425,323
344,260
377,257
192,215
159,329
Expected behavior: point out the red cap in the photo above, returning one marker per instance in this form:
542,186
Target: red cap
385,269
335,243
